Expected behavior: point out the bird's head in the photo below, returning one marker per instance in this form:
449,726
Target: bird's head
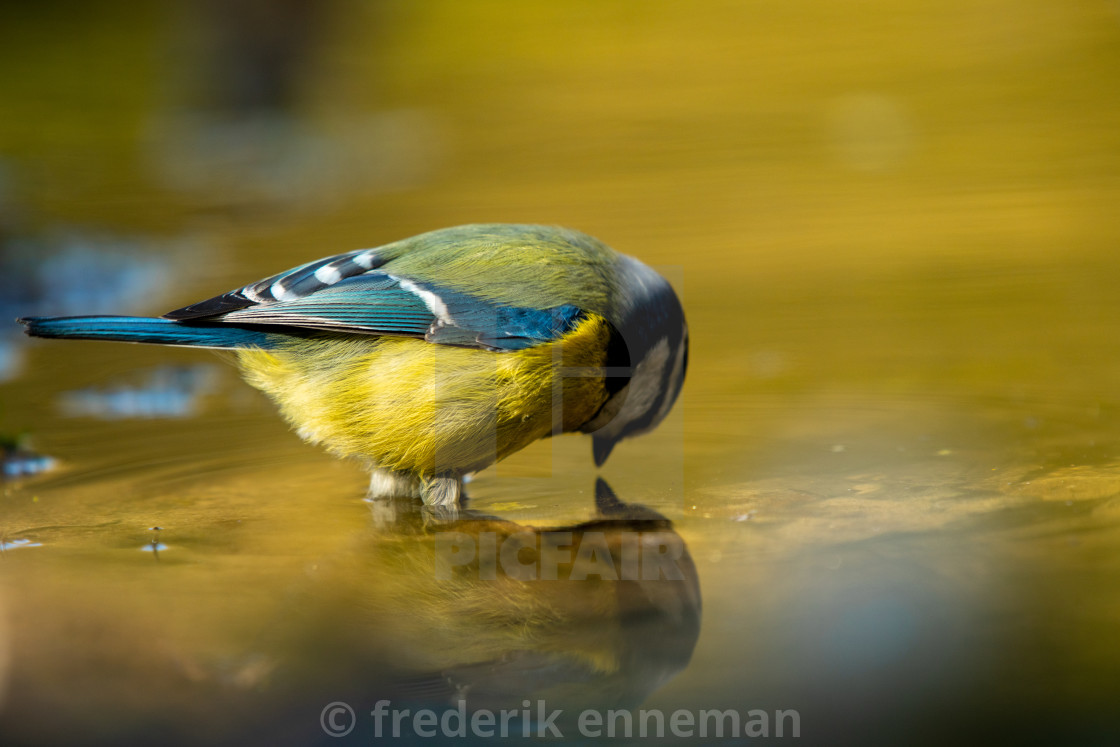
646,359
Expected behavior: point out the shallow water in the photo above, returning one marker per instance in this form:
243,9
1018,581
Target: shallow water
894,471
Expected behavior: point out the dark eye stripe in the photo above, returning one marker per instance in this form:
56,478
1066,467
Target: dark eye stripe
618,361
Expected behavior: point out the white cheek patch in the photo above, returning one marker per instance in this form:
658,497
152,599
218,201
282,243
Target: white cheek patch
674,381
644,386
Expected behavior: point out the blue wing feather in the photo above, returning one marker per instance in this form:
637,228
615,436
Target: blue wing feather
154,331
379,292
373,303
378,303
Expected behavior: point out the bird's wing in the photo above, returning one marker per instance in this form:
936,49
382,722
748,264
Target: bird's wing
346,293
298,282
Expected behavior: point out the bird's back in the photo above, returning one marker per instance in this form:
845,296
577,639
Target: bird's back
517,265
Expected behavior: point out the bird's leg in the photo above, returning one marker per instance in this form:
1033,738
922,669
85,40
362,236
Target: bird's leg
386,488
385,483
441,490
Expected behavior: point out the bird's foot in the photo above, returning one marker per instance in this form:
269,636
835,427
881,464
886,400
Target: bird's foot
442,490
385,483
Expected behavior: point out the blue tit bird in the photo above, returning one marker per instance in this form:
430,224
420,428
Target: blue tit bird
433,357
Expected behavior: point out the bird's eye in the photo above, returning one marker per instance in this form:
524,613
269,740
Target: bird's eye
618,359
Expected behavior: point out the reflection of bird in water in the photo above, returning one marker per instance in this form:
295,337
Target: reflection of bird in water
398,632
433,357
361,621
621,618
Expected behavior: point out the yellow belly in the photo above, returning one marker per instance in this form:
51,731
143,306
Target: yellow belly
411,406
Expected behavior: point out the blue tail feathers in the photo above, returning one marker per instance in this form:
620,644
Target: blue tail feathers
149,330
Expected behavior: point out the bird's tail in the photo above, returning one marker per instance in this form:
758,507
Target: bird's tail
149,330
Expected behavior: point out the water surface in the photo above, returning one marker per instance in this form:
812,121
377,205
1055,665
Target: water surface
895,467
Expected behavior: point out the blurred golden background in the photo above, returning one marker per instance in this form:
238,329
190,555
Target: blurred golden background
894,228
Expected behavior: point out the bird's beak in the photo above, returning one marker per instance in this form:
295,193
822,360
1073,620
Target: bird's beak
605,499
601,449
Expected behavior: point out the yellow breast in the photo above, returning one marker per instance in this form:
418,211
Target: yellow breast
408,405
